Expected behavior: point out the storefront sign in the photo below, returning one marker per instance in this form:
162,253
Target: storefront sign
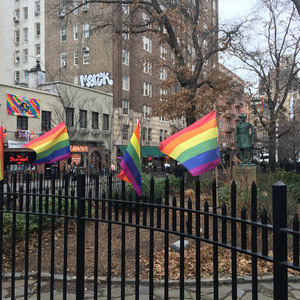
79,149
15,144
19,159
76,158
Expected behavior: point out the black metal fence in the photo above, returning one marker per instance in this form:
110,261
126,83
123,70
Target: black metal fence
84,202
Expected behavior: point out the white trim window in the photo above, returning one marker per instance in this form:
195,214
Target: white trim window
75,5
75,32
75,57
163,93
25,55
17,36
25,31
125,83
86,30
147,67
146,111
125,57
38,50
63,60
86,57
125,107
163,52
63,34
25,10
37,29
147,89
147,44
17,57
163,73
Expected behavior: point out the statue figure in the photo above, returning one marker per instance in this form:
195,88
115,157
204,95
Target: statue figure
244,138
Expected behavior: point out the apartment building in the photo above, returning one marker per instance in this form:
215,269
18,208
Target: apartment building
22,37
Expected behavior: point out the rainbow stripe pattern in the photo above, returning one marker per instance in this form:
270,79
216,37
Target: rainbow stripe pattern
52,146
131,162
196,146
1,154
23,106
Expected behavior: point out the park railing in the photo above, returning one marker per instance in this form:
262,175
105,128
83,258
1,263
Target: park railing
48,206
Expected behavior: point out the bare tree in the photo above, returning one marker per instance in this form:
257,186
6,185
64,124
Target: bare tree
269,48
191,31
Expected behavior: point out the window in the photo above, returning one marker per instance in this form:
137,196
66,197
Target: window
37,29
17,13
95,120
25,34
75,57
75,31
146,111
76,79
17,76
125,83
165,134
162,93
125,9
75,4
125,33
25,54
26,76
86,58
125,106
86,30
63,34
161,135
163,73
22,123
62,9
125,132
46,120
125,57
105,122
147,44
85,6
70,116
147,89
37,8
17,57
147,67
63,60
146,20
83,118
149,134
163,53
162,118
25,10
144,130
38,50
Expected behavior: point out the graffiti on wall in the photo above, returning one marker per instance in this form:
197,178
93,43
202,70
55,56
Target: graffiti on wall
99,79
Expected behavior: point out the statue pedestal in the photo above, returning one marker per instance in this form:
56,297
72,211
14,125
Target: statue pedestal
244,174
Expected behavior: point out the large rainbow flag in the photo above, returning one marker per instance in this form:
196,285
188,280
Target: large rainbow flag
1,154
131,162
196,146
52,146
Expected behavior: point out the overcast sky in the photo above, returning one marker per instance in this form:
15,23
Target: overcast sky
234,8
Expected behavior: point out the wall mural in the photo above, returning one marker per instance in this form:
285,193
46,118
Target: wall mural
99,79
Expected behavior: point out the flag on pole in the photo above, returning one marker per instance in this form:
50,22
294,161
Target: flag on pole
196,146
131,162
52,146
1,154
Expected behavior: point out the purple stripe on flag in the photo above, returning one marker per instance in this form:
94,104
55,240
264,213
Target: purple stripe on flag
131,177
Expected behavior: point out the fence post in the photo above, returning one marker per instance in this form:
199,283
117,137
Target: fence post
80,236
279,240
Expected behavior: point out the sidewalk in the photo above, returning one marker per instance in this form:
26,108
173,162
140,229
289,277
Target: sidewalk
244,289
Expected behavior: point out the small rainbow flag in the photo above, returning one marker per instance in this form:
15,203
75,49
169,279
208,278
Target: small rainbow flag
1,154
51,146
131,162
196,146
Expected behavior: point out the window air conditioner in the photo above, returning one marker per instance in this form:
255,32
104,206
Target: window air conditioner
85,8
16,19
61,14
85,49
64,64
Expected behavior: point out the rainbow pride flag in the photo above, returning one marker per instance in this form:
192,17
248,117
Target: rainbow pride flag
131,162
52,146
1,154
196,146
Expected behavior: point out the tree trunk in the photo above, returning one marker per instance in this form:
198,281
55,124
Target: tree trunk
272,150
